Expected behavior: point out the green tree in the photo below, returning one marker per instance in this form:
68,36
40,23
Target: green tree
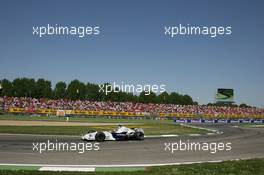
243,105
92,92
60,90
163,98
174,98
31,87
43,88
76,90
186,100
7,88
151,98
24,87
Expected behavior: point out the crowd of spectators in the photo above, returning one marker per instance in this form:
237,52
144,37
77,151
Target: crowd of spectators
62,104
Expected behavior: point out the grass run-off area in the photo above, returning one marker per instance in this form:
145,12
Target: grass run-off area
242,167
151,127
80,119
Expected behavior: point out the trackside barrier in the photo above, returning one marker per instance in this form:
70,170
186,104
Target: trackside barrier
259,121
206,118
76,112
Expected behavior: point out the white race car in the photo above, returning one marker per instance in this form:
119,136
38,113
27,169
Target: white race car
122,133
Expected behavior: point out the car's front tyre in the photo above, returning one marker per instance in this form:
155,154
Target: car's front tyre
139,135
99,137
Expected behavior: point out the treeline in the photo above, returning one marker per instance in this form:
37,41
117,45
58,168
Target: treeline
242,105
77,90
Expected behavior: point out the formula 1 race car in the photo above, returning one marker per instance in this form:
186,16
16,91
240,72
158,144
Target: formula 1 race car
122,133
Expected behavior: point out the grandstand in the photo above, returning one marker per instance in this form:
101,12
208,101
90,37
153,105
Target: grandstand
135,109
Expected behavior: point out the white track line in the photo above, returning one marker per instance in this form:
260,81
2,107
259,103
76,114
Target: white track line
158,136
196,127
170,135
194,135
79,169
44,135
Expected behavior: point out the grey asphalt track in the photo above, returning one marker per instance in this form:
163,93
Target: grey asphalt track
246,143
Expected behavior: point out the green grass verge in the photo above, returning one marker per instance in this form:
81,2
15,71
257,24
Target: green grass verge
18,168
79,119
242,167
150,129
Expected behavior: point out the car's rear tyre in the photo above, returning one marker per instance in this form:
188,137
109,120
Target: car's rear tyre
139,135
99,137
